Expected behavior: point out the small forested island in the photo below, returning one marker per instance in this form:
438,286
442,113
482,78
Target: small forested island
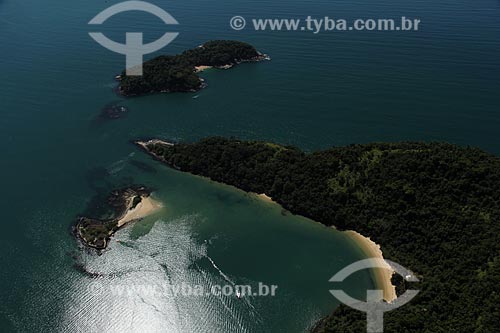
127,205
179,73
433,207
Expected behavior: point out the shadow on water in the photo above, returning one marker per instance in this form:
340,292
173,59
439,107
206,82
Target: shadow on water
112,111
102,183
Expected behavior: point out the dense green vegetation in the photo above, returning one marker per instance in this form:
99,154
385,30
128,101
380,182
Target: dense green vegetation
96,231
177,73
433,207
221,53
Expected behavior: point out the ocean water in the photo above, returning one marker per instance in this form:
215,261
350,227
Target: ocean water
333,88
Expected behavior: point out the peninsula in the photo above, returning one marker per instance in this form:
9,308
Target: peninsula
179,73
128,205
432,207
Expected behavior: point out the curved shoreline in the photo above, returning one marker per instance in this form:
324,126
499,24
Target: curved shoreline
382,275
366,245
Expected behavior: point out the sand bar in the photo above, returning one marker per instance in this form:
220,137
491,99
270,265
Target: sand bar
146,207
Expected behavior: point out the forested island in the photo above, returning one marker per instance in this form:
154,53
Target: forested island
179,73
127,205
433,207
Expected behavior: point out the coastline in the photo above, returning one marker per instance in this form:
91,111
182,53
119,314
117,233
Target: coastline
382,275
144,144
265,197
192,62
198,69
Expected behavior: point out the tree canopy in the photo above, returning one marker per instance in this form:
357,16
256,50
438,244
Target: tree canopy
433,208
177,73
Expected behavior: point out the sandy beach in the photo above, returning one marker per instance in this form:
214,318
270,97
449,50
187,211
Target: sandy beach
382,275
265,197
201,68
144,208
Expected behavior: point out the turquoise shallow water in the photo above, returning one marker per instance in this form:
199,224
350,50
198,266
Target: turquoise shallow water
440,83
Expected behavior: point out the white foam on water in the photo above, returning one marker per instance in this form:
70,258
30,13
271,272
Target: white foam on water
117,166
221,272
